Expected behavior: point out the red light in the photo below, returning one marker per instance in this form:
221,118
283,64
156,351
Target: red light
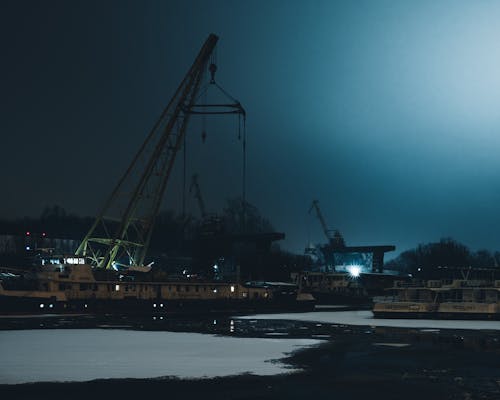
27,233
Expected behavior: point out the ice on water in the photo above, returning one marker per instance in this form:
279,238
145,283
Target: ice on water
87,354
366,318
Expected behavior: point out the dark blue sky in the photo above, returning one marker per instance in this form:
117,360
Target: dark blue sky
387,112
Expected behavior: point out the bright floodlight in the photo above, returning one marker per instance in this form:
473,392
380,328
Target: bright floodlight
354,270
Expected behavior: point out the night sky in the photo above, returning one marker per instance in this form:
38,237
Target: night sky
387,112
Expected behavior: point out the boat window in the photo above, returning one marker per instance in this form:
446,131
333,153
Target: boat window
187,288
178,288
196,288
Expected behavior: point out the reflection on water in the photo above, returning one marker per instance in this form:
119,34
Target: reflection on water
221,325
85,347
292,325
175,343
365,318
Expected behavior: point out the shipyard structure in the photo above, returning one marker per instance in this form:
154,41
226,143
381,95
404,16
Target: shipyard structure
111,270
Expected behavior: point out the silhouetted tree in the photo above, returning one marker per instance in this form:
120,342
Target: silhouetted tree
482,258
432,259
170,233
242,217
54,221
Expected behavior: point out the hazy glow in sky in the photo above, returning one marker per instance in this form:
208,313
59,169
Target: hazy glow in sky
387,112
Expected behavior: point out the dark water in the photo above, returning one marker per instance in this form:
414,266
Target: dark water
356,362
221,325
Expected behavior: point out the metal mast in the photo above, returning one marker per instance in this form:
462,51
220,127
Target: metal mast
122,231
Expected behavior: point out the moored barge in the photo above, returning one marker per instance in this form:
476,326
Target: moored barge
442,299
77,287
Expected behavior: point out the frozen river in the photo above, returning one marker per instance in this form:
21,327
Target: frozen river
87,354
366,318
151,348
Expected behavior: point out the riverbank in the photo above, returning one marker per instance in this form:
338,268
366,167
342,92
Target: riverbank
353,363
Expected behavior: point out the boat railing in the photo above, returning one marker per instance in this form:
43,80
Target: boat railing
384,299
470,301
475,283
404,284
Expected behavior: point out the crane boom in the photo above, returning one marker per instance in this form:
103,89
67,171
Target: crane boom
336,239
315,206
124,226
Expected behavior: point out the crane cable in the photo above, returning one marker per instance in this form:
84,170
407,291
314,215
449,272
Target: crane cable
205,109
